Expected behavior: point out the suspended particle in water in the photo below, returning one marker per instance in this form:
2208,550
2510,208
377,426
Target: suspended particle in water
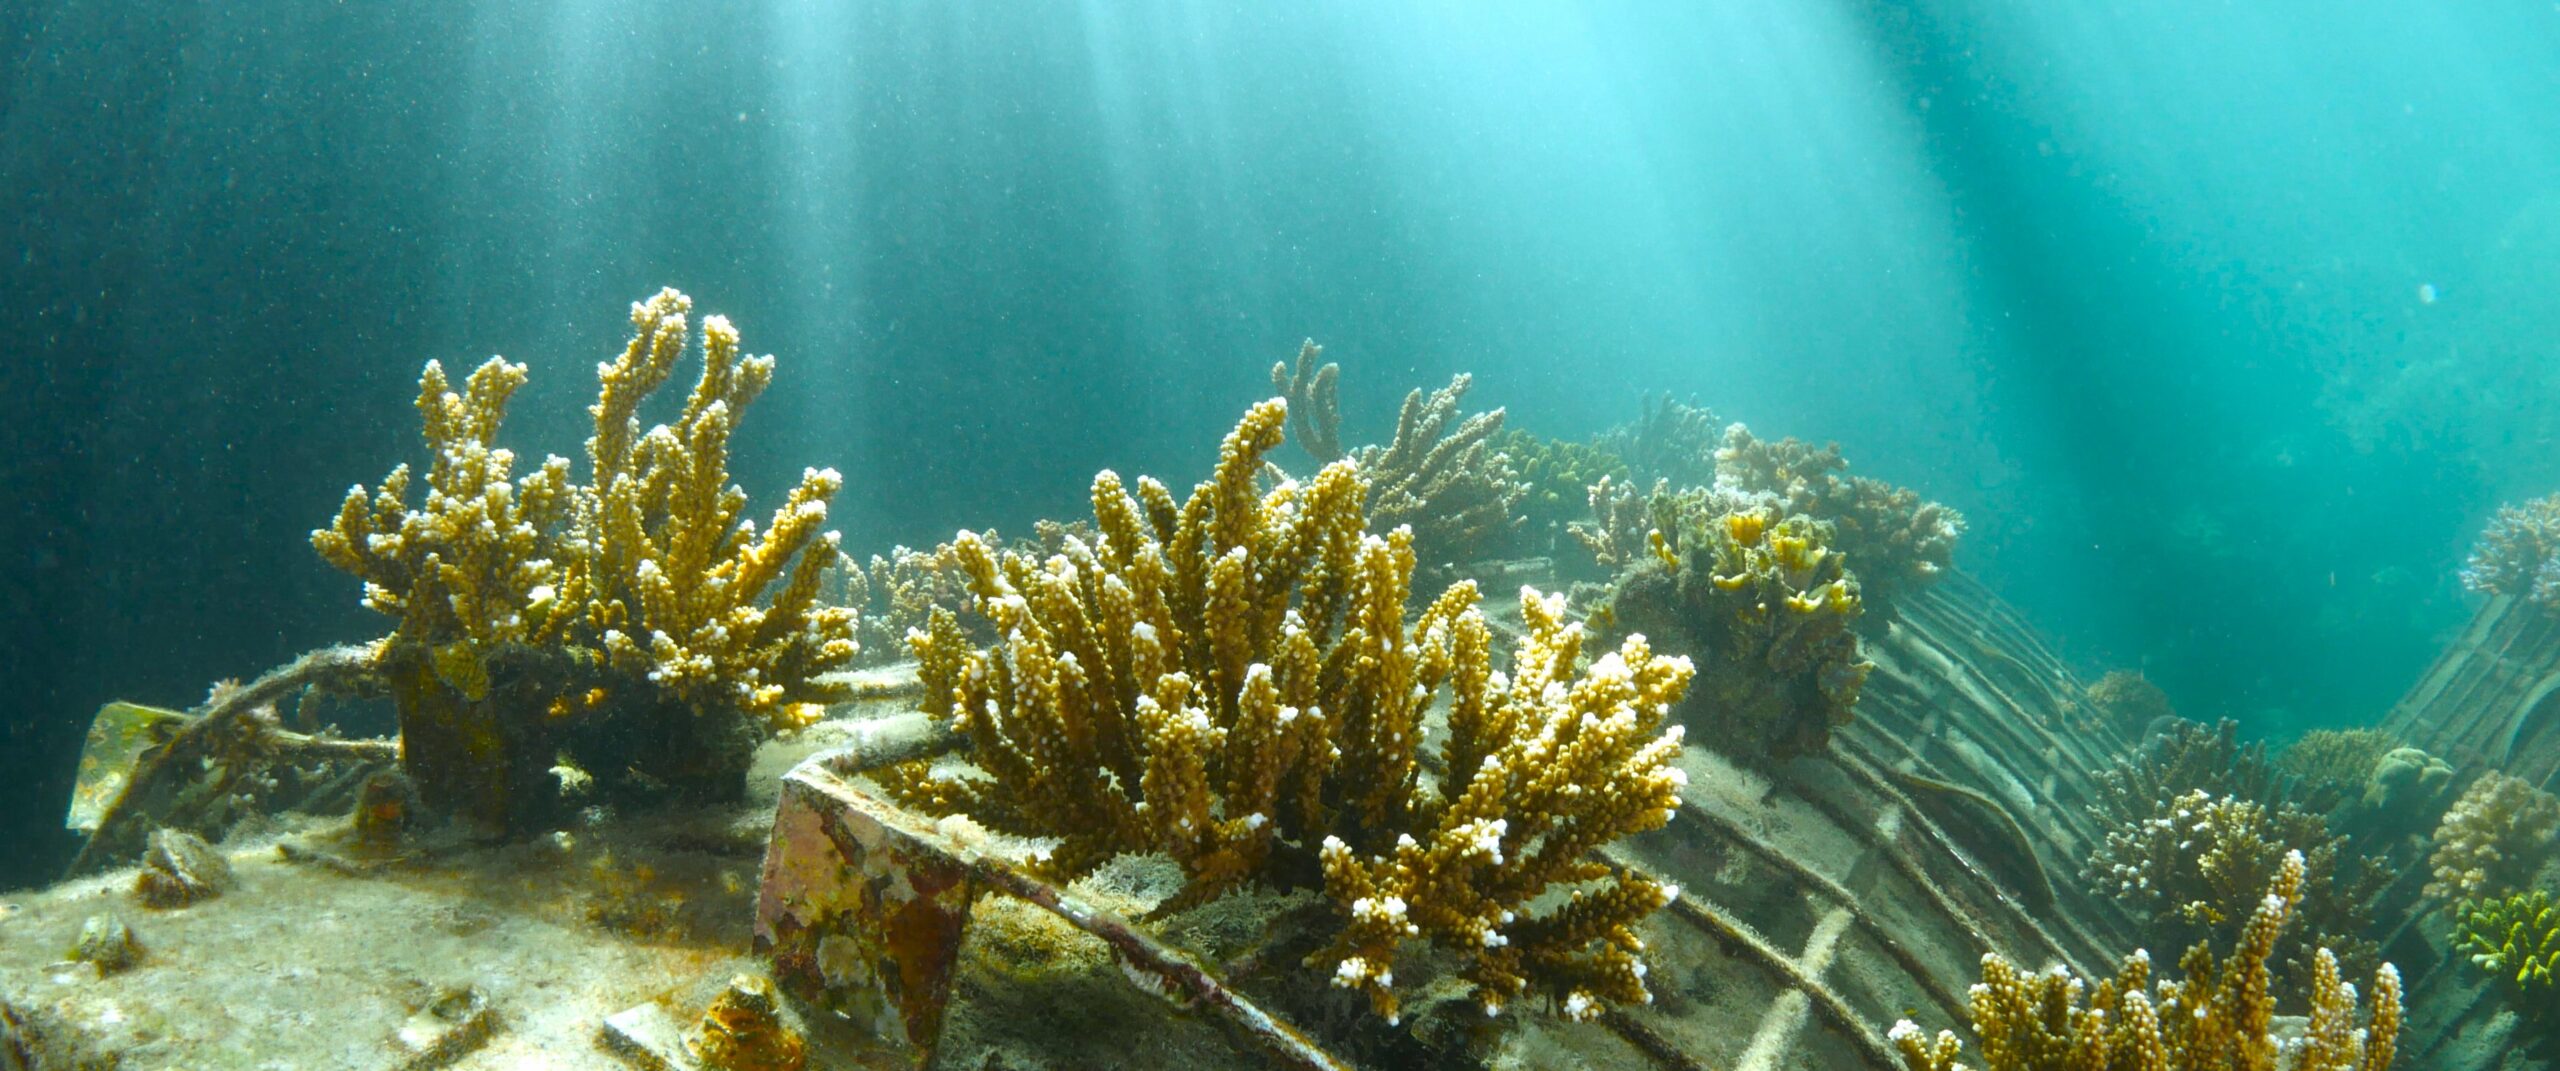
2426,293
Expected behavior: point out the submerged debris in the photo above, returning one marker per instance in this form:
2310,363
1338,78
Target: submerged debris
744,1030
180,869
107,944
453,1025
385,806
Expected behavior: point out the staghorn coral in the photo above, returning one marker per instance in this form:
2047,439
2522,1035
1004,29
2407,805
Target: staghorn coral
1452,485
2493,840
637,622
1315,401
1621,521
1624,517
1896,541
1449,484
1764,607
1230,681
896,593
2516,554
1672,443
2193,867
2217,1017
2516,939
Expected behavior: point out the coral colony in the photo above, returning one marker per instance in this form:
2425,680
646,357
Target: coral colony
1288,689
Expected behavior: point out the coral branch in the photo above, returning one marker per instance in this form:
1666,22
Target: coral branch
1230,681
2218,1017
536,613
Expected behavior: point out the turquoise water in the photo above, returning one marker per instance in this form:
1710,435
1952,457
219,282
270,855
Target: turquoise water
2226,327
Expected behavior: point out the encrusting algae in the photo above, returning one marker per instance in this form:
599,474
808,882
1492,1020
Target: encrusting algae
1230,681
637,623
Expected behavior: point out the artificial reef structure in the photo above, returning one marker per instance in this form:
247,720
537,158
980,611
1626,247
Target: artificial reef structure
635,628
1737,770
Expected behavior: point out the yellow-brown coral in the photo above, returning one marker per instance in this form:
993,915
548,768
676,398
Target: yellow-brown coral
647,581
1765,609
1450,484
1895,540
2195,866
2217,1018
2494,838
1230,681
1556,478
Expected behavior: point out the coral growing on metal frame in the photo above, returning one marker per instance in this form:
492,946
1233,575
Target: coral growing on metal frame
2216,1017
637,623
1230,681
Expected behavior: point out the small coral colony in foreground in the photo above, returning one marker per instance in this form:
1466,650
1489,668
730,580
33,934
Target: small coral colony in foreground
1293,683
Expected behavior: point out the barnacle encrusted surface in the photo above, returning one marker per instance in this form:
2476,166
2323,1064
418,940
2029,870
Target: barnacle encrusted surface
178,869
2495,837
2216,1017
1230,681
1764,608
643,597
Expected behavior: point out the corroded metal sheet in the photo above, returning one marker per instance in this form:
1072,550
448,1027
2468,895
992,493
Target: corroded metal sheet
118,738
865,904
863,909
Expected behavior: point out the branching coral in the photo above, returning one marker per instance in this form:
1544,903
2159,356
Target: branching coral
2516,939
2519,554
1673,443
896,593
638,621
1230,681
1449,484
1621,521
1556,478
2185,757
2218,1017
1442,477
1895,540
1765,609
2493,840
1624,517
2194,867
1315,401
